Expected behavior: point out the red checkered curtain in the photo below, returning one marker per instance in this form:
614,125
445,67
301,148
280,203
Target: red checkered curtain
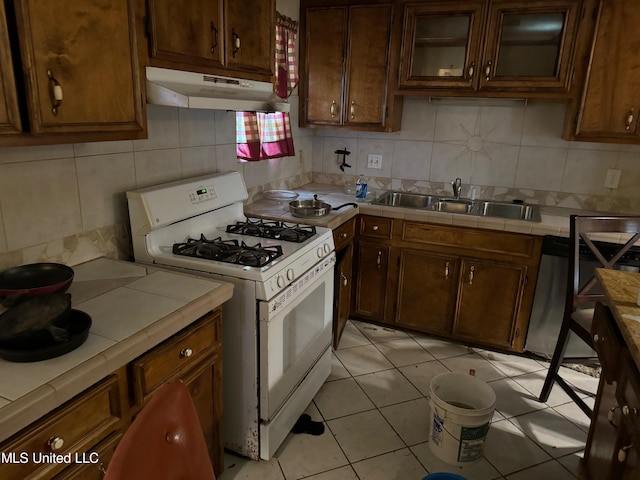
263,135
260,136
286,61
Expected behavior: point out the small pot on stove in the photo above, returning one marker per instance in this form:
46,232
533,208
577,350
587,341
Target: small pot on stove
314,208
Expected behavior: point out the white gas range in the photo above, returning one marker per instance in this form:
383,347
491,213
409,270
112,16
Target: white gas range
277,326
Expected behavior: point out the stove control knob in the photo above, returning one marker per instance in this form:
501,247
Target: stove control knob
320,252
280,281
290,274
327,248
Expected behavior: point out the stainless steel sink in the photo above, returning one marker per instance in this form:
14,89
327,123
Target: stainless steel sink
407,200
513,211
465,206
452,205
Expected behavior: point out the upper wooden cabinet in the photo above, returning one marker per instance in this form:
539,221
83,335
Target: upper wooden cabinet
79,77
216,36
345,58
500,47
9,111
610,103
186,32
250,35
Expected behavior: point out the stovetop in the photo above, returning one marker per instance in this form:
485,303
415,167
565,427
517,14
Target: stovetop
288,232
229,251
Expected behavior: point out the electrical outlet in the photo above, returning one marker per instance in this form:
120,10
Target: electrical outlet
613,178
374,161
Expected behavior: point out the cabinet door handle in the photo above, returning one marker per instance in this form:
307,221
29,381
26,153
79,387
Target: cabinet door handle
446,270
472,68
597,338
375,228
352,110
186,352
487,70
379,259
622,453
55,443
471,270
627,125
56,93
214,36
333,109
626,410
345,280
235,42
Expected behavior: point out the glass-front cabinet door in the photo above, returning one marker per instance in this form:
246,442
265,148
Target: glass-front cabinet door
441,44
529,45
501,45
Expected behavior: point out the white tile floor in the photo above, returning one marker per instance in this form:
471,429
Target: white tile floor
376,416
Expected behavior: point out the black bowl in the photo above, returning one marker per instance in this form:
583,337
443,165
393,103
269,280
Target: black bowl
79,325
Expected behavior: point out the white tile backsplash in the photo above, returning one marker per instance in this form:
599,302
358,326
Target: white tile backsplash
54,192
39,201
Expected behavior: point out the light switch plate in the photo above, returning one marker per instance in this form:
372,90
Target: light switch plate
613,178
374,161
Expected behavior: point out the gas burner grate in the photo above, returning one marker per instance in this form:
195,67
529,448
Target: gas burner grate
228,251
273,229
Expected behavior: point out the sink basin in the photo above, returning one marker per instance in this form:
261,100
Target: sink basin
408,200
451,205
513,211
465,206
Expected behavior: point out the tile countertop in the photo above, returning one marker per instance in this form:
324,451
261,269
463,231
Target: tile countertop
621,291
555,220
133,308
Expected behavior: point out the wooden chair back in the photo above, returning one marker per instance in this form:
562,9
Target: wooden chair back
582,229
164,442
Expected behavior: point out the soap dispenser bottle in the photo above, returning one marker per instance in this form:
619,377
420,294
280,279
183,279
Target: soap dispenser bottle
361,187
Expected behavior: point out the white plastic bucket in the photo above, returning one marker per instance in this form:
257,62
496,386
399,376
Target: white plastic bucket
460,412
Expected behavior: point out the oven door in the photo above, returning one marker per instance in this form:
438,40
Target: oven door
295,333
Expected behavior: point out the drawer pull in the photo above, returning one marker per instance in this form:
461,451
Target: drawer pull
345,280
55,443
214,36
333,109
597,338
379,259
446,270
375,228
186,352
352,110
471,270
343,235
471,70
626,410
56,93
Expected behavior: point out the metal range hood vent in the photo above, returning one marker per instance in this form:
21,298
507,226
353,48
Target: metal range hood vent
176,88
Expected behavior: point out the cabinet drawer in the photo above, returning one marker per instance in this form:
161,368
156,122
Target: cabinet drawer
606,341
101,454
378,227
78,426
344,234
478,240
181,351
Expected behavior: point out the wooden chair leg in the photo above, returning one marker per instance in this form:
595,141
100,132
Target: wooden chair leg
556,361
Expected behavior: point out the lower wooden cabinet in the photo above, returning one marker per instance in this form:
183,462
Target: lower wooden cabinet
427,288
488,305
462,283
92,423
343,239
612,446
372,261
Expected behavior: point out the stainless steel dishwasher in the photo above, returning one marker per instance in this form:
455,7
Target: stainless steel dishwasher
551,289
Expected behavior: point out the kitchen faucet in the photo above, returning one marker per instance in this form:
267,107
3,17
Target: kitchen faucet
457,186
